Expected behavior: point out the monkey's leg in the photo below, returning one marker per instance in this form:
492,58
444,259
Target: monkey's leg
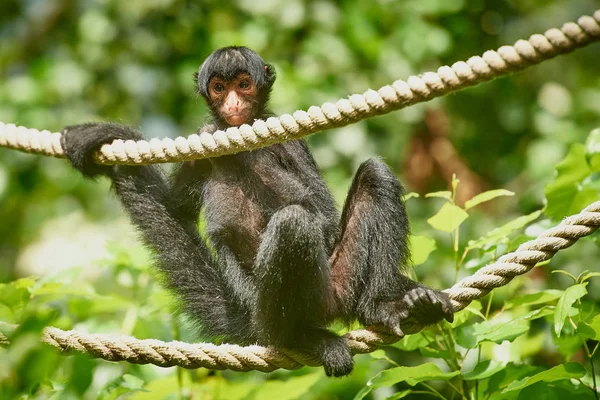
294,290
368,260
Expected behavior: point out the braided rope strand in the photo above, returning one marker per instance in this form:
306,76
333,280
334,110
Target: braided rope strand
400,94
237,358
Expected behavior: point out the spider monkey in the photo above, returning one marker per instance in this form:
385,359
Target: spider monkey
280,263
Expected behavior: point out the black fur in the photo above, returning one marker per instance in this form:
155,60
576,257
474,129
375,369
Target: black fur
285,266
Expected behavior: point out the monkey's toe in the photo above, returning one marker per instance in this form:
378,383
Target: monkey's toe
338,361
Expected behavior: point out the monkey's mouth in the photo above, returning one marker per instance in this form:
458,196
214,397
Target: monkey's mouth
237,119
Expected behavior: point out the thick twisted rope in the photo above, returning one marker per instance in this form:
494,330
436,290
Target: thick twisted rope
400,94
237,358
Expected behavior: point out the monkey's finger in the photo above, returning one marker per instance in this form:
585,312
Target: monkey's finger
397,331
433,299
449,317
402,315
449,313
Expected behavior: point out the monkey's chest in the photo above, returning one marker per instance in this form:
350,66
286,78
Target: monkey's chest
236,217
242,195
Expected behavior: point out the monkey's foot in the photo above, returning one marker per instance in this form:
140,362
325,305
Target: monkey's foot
337,358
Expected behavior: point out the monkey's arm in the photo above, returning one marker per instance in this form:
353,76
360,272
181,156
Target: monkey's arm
182,256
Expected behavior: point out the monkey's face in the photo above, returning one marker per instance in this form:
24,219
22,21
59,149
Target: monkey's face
235,100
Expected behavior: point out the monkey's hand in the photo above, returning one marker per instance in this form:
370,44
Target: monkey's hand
80,142
426,306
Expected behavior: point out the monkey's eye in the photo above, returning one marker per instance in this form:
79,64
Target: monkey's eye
218,87
244,85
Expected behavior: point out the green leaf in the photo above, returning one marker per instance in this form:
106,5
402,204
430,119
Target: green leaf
291,389
585,330
545,296
448,218
483,370
410,375
570,370
411,195
432,352
592,149
486,331
400,395
509,374
455,182
539,313
12,296
589,276
499,234
122,385
7,329
445,194
508,331
572,294
595,325
566,192
25,283
487,196
420,248
466,313
380,355
414,342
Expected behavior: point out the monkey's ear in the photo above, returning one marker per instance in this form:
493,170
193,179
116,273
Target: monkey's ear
270,74
196,75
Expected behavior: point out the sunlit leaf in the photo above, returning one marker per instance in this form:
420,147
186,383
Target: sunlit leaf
509,331
444,194
589,275
411,195
539,313
564,305
483,370
565,192
24,283
570,370
489,331
380,355
13,297
432,352
498,234
455,182
420,248
400,395
545,296
448,218
487,196
292,388
125,384
414,342
594,324
410,375
592,149
466,313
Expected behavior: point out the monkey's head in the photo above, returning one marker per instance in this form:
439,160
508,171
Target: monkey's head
236,83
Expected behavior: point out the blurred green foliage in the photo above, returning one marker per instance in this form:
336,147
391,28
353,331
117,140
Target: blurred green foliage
64,62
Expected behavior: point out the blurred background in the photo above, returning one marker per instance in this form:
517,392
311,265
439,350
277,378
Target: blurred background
65,62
